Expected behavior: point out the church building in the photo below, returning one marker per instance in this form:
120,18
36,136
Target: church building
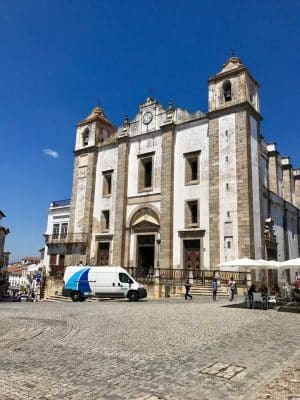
177,190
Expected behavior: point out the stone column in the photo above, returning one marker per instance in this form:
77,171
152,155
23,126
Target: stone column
121,203
272,167
214,208
287,181
167,194
297,186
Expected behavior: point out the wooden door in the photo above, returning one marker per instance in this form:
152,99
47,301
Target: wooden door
103,254
192,254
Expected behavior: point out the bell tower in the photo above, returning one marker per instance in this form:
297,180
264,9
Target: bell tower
234,157
91,133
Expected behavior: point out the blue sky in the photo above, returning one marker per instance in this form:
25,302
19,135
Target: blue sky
59,56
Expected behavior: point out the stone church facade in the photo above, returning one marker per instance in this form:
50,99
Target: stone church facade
175,190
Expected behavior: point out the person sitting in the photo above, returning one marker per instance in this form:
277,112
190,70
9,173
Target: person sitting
263,289
275,289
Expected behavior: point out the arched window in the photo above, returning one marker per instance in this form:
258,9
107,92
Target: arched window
227,90
85,137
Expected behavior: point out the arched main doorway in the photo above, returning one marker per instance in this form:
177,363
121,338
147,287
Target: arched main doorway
144,241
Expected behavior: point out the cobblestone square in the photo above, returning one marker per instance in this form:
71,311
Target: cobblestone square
149,350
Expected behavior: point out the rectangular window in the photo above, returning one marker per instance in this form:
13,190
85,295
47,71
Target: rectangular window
64,230
192,175
105,220
53,259
192,214
145,174
55,231
107,182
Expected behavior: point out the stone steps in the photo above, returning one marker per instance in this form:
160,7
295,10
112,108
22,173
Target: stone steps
59,297
205,290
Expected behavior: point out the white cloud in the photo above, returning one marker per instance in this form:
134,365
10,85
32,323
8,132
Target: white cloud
51,153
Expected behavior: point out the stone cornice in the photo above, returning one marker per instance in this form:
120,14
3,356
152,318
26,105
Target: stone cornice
167,127
235,107
236,71
104,236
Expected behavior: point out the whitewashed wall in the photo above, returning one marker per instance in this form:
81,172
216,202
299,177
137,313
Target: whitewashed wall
107,160
190,137
56,215
140,145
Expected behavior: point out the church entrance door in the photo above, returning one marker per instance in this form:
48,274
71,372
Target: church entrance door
191,257
103,254
145,254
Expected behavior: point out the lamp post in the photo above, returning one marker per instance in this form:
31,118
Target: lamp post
158,241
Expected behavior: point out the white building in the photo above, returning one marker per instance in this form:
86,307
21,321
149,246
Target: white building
174,190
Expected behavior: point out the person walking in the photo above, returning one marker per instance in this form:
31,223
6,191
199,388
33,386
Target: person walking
187,290
214,288
231,288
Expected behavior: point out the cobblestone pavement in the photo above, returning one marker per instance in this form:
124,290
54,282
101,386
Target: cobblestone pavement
149,350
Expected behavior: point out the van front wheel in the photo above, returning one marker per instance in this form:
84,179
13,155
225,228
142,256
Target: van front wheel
133,296
75,296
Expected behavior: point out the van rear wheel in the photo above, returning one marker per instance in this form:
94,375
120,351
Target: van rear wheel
133,296
75,296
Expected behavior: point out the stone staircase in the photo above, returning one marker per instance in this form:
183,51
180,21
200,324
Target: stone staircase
205,290
59,297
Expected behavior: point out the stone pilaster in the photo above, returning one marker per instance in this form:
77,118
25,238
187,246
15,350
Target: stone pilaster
296,174
244,185
272,167
121,204
287,180
261,195
214,208
167,193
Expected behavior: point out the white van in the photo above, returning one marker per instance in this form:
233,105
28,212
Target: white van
81,282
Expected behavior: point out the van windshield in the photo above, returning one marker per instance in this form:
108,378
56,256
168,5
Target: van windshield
124,278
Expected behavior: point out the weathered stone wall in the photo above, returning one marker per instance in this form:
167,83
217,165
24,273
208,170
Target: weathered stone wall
120,204
167,185
244,186
214,212
53,286
287,180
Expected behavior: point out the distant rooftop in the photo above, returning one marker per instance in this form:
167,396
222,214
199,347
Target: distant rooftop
61,203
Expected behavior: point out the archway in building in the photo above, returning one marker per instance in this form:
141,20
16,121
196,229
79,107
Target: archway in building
144,226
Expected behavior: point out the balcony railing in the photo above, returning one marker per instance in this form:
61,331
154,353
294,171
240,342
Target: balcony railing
56,238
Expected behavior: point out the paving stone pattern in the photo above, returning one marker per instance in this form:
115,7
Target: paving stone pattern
150,350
